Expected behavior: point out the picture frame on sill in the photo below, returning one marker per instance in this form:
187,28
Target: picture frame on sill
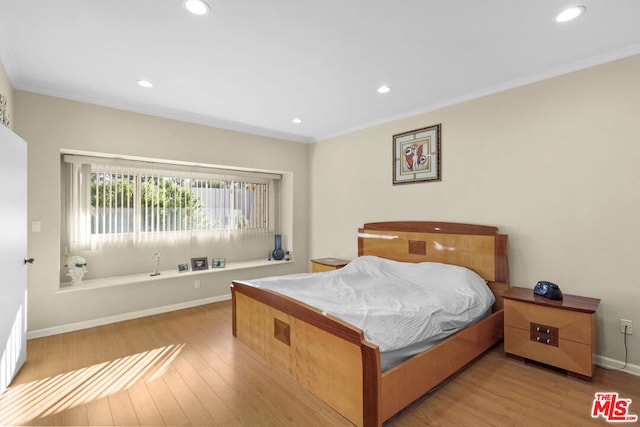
200,263
218,262
417,155
183,267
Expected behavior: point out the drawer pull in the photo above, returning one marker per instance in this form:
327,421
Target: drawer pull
543,340
543,330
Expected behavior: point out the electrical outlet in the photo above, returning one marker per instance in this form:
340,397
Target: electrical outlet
196,284
629,326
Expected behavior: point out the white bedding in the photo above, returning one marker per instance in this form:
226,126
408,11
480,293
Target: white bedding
396,304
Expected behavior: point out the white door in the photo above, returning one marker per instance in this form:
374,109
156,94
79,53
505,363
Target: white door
13,251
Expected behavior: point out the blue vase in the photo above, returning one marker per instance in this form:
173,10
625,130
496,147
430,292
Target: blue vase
278,253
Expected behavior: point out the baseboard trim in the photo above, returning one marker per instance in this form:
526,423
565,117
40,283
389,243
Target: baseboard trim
617,365
70,327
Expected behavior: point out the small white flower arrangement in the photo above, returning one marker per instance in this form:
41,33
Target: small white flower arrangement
76,261
77,267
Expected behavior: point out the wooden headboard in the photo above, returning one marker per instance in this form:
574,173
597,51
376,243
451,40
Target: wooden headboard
477,247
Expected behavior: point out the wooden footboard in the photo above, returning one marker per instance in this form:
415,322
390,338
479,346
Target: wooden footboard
326,355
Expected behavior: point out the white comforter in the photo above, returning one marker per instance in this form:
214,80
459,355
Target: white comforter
396,304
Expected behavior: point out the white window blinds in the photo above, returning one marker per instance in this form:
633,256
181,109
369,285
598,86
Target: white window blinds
114,200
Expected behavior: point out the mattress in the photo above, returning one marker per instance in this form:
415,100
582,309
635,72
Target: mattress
403,308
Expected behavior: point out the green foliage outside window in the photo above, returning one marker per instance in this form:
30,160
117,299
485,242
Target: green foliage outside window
166,204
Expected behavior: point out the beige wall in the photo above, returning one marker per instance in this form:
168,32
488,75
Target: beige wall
553,164
51,124
7,90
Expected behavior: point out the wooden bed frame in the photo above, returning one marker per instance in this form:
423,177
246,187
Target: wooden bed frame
333,360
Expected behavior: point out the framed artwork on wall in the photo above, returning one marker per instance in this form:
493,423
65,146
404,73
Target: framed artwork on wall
417,156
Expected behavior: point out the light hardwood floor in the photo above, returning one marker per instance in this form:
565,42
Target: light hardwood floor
185,368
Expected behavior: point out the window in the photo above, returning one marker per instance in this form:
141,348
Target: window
126,200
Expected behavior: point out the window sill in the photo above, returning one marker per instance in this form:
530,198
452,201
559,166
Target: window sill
107,282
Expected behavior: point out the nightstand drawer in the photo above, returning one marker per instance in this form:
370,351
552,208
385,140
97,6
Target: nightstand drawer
543,334
569,325
569,355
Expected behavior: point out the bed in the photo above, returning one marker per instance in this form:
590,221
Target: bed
333,359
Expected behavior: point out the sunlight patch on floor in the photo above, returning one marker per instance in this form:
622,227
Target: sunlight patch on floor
25,402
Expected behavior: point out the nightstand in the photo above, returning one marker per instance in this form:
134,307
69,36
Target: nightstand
327,264
558,333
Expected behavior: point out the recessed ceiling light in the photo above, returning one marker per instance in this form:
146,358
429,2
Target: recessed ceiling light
297,120
384,89
145,83
570,13
197,7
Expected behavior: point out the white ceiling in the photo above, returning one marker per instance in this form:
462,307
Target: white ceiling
254,65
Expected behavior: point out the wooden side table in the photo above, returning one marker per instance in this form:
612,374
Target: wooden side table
558,333
327,264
